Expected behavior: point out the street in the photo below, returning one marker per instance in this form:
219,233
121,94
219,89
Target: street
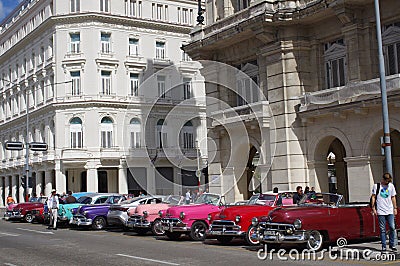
34,244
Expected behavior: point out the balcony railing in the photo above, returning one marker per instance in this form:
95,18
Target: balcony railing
362,90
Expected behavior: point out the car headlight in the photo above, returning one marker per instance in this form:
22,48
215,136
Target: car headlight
237,218
209,217
297,224
85,212
254,221
145,214
182,215
160,213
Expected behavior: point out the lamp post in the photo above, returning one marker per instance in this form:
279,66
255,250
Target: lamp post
382,75
198,171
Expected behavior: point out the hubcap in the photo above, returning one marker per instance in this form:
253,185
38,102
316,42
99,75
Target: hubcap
252,240
315,240
157,228
199,231
99,223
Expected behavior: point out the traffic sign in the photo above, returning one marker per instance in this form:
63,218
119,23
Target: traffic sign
38,146
198,173
14,145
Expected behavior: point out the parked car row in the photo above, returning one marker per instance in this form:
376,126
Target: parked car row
269,218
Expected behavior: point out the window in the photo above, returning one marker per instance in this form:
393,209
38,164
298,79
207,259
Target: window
242,4
187,88
133,46
104,6
188,136
135,133
75,128
247,83
159,12
41,55
50,48
105,43
75,5
160,50
134,84
33,65
161,86
133,8
185,16
106,132
161,133
106,82
75,39
76,82
335,62
391,42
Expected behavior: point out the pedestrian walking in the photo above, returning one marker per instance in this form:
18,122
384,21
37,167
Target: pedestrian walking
53,205
383,203
188,197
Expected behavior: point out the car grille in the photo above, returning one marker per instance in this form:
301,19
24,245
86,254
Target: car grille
136,218
173,221
275,226
224,225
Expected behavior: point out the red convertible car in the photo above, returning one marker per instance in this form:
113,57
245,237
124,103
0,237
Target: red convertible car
320,218
235,221
25,211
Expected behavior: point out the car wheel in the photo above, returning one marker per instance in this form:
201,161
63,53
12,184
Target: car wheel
28,218
156,228
198,231
224,239
173,235
315,241
99,223
248,237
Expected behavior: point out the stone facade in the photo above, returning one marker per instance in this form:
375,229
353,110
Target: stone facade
95,76
318,68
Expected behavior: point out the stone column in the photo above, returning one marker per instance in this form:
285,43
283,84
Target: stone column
122,178
360,178
39,184
7,189
61,181
14,184
228,184
151,179
318,175
48,180
2,203
21,189
177,180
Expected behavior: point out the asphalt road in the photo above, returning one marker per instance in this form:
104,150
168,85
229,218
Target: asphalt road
33,244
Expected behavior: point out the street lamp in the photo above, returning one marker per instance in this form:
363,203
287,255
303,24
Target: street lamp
385,113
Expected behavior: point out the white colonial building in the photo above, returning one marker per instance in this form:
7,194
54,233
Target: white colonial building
91,74
316,62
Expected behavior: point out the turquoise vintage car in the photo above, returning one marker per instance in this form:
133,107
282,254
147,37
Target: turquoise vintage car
64,212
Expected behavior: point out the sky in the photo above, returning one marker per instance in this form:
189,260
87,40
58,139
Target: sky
6,6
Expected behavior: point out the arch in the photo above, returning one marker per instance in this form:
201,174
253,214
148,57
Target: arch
135,121
188,124
326,136
161,122
75,121
107,120
377,129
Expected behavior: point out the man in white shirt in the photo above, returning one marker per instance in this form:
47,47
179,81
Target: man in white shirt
188,197
53,204
386,209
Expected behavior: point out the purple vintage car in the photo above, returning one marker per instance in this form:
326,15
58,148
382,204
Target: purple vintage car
94,215
191,219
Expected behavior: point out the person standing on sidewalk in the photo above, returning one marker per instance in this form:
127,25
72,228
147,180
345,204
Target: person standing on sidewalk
384,196
53,205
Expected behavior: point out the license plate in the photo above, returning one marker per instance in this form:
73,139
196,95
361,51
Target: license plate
269,233
217,233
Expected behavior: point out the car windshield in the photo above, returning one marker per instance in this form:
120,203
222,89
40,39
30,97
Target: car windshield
262,199
173,199
113,200
85,200
208,198
129,201
320,199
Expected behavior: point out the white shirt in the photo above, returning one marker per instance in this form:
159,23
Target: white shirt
53,202
384,205
188,195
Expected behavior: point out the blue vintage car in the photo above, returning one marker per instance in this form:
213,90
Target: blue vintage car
95,215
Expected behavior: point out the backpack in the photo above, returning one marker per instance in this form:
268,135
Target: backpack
378,187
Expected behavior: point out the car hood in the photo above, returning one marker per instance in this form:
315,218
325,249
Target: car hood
94,207
151,207
27,205
191,210
290,214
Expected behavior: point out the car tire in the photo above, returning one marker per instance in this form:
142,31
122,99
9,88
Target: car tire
315,241
99,223
156,228
224,239
198,231
247,237
29,218
173,235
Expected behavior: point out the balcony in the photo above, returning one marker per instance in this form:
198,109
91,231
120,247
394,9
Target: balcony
135,61
352,92
259,111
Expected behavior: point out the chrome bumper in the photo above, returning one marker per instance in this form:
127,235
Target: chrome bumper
280,233
8,215
138,223
80,220
225,228
174,225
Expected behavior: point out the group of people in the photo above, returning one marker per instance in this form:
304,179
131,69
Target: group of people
53,204
189,197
